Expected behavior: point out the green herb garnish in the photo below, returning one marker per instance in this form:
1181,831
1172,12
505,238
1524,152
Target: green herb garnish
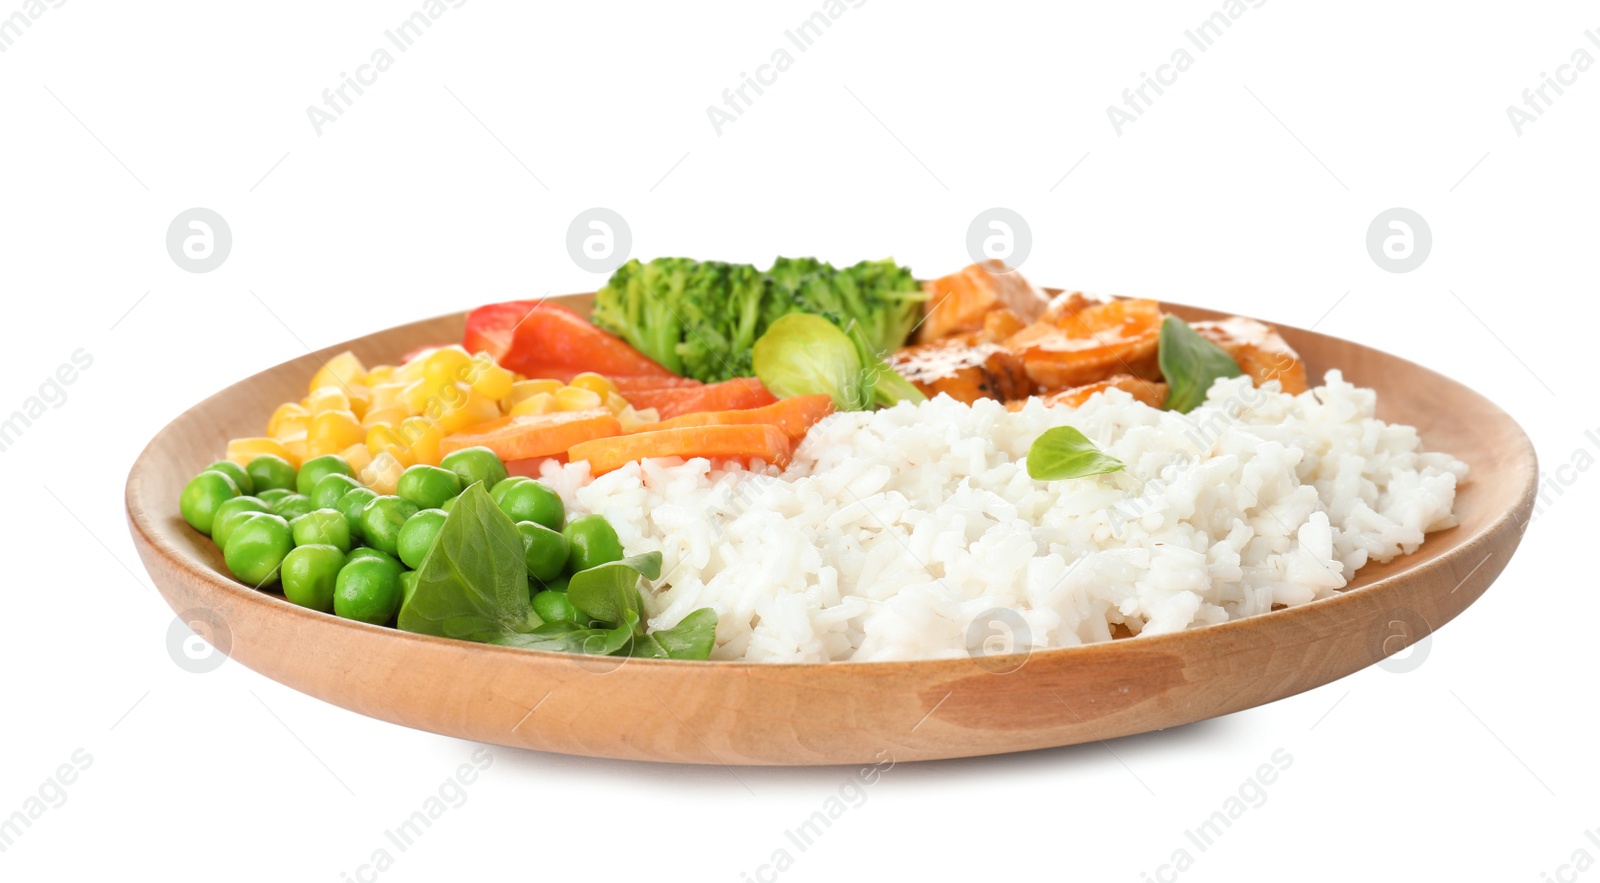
569,637
473,583
692,638
1064,452
609,592
1190,364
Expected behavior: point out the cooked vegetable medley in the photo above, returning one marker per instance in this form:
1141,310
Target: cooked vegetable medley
408,494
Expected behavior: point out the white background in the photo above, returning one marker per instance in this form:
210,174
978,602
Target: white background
1248,185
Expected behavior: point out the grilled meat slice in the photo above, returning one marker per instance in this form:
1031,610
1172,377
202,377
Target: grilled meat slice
1152,394
959,303
1082,340
1260,351
965,372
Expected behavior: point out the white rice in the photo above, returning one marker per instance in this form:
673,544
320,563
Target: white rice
893,531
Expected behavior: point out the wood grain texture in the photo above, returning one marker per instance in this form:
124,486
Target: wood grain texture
752,713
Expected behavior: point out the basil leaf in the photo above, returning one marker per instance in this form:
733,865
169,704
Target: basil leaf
473,583
608,592
1064,452
567,637
1190,364
691,638
648,647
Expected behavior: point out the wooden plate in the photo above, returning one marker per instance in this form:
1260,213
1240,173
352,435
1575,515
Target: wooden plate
753,713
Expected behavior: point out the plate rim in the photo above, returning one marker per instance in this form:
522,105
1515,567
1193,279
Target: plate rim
145,526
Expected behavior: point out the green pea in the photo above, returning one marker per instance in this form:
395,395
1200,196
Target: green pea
554,607
322,527
328,491
257,547
532,501
559,584
408,585
293,506
504,486
368,590
381,520
428,486
544,551
474,465
270,471
310,573
369,552
350,506
317,468
416,537
236,472
593,542
228,514
273,494
202,496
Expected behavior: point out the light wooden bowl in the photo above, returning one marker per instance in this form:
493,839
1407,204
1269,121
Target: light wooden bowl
751,713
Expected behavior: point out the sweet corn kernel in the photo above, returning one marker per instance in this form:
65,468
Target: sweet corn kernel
633,420
538,403
445,366
423,438
287,420
383,417
327,398
615,403
574,398
380,374
412,371
387,395
311,449
489,378
460,418
357,456
297,451
382,474
243,450
333,431
360,397
485,407
340,371
384,439
525,388
444,400
595,383
414,398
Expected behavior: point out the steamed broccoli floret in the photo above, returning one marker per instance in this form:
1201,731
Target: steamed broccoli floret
701,319
635,305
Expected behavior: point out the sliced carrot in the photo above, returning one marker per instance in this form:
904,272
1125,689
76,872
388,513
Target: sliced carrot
794,416
729,395
725,442
534,435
